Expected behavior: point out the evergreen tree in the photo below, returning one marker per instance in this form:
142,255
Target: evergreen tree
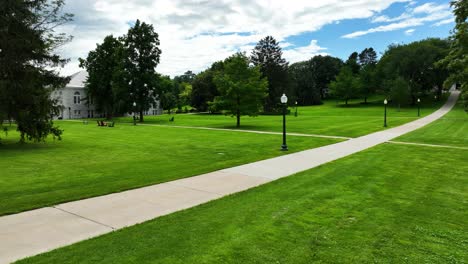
102,65
141,56
27,59
352,63
367,73
367,57
242,88
267,55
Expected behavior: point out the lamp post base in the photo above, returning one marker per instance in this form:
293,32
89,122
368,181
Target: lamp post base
284,148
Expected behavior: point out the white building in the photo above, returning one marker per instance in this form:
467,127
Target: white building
74,104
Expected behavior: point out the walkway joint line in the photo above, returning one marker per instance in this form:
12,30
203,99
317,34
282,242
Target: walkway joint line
426,145
80,216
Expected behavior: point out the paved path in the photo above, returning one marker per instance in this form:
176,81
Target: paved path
32,232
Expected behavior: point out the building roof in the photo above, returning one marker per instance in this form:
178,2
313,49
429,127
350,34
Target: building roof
78,79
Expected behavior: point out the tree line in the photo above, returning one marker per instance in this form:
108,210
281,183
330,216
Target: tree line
122,71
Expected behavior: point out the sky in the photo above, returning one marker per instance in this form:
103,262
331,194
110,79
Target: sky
194,34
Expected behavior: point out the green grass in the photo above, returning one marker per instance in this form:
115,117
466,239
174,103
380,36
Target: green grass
451,129
388,204
92,161
333,119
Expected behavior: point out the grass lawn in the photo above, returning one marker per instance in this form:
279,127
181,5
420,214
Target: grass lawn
92,161
333,119
452,129
389,204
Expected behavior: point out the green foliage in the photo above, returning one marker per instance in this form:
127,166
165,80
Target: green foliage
346,86
352,63
27,44
309,79
324,70
141,56
241,87
267,55
457,59
167,97
398,90
185,94
103,65
415,63
203,87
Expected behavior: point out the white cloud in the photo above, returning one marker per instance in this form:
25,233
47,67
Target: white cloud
194,34
409,32
416,16
443,22
303,53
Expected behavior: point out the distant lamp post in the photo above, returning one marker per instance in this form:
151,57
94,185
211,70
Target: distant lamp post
134,109
284,101
295,114
419,107
385,113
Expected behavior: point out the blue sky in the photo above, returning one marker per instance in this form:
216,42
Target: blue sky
330,36
194,34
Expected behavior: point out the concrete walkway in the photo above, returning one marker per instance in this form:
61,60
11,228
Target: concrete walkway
32,232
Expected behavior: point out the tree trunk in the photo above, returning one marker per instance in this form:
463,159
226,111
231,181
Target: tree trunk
141,116
346,101
365,100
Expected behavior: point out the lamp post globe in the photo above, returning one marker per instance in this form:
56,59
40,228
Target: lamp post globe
385,112
284,100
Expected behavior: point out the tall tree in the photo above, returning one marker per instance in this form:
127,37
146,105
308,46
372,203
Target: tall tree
325,69
102,65
352,63
415,63
27,59
267,55
367,72
368,56
398,91
203,87
303,83
141,56
457,60
346,85
166,88
242,88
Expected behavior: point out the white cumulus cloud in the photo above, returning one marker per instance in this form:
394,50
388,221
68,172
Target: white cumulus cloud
196,33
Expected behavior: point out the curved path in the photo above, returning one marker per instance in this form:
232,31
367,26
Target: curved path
32,232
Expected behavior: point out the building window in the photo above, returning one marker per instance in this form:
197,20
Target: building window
77,98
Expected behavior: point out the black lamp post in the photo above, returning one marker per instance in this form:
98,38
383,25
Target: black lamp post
295,114
284,100
134,109
419,107
385,113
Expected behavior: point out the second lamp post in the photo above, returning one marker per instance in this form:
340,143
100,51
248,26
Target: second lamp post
284,101
385,113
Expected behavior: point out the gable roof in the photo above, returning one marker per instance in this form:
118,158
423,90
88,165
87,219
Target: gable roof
78,79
